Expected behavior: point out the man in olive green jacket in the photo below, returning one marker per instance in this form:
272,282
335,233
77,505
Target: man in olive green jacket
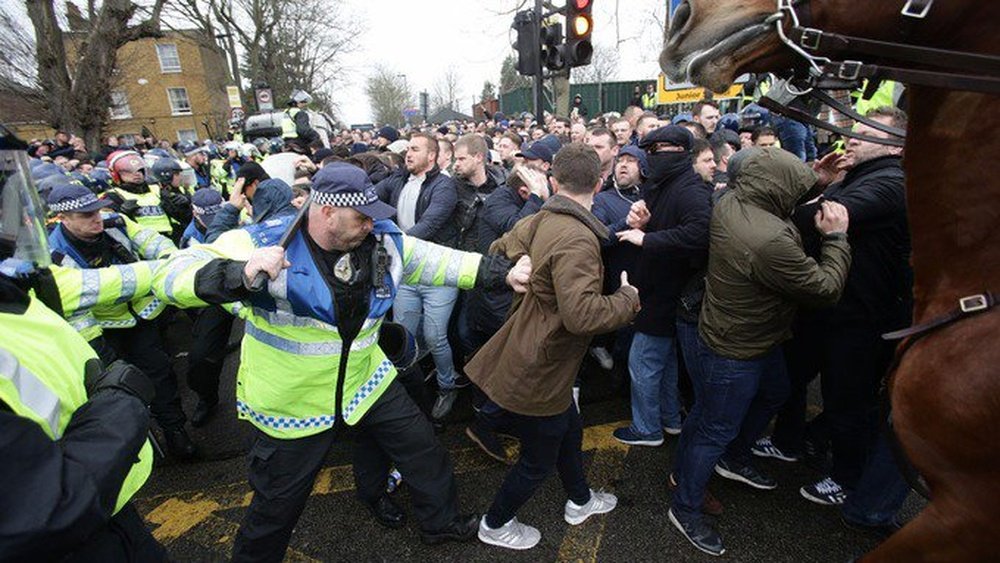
758,275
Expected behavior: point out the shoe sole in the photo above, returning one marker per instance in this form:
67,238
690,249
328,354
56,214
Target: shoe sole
435,540
472,436
490,541
760,453
818,500
651,443
725,473
576,521
673,520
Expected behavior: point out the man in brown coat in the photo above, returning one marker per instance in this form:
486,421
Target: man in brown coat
528,367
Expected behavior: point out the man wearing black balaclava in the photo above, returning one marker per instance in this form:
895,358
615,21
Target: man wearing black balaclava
670,225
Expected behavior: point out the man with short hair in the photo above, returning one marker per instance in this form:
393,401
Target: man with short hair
704,160
623,131
706,112
763,137
446,156
646,123
721,151
603,142
508,146
560,128
559,316
425,200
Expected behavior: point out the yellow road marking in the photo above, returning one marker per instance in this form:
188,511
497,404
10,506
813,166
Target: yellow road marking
175,517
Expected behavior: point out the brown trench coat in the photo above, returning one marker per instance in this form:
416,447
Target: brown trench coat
529,366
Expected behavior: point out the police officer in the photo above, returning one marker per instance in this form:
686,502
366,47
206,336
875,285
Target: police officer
311,357
211,328
296,126
85,239
132,196
74,434
165,173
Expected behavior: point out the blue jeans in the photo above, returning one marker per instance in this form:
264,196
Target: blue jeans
691,349
795,138
881,491
425,312
652,364
735,400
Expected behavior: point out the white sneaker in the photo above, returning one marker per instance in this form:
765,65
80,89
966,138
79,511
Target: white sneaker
599,503
512,535
603,357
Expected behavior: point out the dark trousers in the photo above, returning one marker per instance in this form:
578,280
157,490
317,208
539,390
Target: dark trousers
209,342
803,360
881,490
142,347
124,538
547,443
734,402
394,431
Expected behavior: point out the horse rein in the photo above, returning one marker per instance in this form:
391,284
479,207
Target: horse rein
811,44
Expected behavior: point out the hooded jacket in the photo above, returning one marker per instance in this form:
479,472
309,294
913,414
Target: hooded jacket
272,199
528,367
758,273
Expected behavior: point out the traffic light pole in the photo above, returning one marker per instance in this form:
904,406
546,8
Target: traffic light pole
538,82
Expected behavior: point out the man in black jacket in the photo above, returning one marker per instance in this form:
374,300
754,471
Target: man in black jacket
425,201
670,224
843,342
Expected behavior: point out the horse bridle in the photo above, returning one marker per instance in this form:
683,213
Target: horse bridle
816,47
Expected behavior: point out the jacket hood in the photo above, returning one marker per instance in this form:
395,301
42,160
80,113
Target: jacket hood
272,198
566,206
774,180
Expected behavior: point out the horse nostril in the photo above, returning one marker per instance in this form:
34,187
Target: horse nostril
681,16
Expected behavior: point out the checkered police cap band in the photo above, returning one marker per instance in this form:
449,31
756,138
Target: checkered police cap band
345,199
210,210
73,204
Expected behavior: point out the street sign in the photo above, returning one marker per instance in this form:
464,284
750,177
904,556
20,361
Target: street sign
264,100
233,93
667,93
237,114
409,113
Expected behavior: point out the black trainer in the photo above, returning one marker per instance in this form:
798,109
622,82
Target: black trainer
387,513
746,474
462,528
700,534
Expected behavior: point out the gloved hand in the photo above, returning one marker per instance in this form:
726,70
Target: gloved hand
129,208
119,375
176,206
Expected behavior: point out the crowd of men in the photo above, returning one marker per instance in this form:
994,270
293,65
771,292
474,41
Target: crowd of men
505,251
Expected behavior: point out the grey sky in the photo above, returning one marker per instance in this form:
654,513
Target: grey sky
422,39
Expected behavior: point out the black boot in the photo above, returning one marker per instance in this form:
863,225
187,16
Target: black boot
387,512
462,528
179,444
203,412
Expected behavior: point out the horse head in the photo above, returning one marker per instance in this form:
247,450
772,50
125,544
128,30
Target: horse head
710,42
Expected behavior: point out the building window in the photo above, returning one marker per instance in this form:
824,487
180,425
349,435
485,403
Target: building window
179,102
170,61
119,105
187,135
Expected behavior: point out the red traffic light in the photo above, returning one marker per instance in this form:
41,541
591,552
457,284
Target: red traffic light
581,4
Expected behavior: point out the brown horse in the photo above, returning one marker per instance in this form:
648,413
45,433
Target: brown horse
946,392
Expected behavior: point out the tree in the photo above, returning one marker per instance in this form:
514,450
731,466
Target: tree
489,92
77,90
509,77
603,67
388,94
446,92
18,65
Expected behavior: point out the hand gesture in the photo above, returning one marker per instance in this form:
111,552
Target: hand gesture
535,181
828,168
831,218
634,236
236,197
638,215
270,259
519,276
631,287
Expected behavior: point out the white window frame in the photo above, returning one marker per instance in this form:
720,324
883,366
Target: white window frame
181,135
175,110
168,64
119,107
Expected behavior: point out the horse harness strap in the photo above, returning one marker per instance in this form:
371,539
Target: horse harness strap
774,105
967,307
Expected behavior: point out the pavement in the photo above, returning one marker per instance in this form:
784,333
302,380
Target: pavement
194,509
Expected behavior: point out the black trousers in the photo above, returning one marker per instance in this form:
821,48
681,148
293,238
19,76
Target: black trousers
282,473
142,347
209,341
125,538
548,443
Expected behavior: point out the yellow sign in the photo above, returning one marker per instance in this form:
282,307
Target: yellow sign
670,94
234,96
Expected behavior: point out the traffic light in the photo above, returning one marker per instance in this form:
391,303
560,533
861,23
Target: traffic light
579,27
528,51
552,47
